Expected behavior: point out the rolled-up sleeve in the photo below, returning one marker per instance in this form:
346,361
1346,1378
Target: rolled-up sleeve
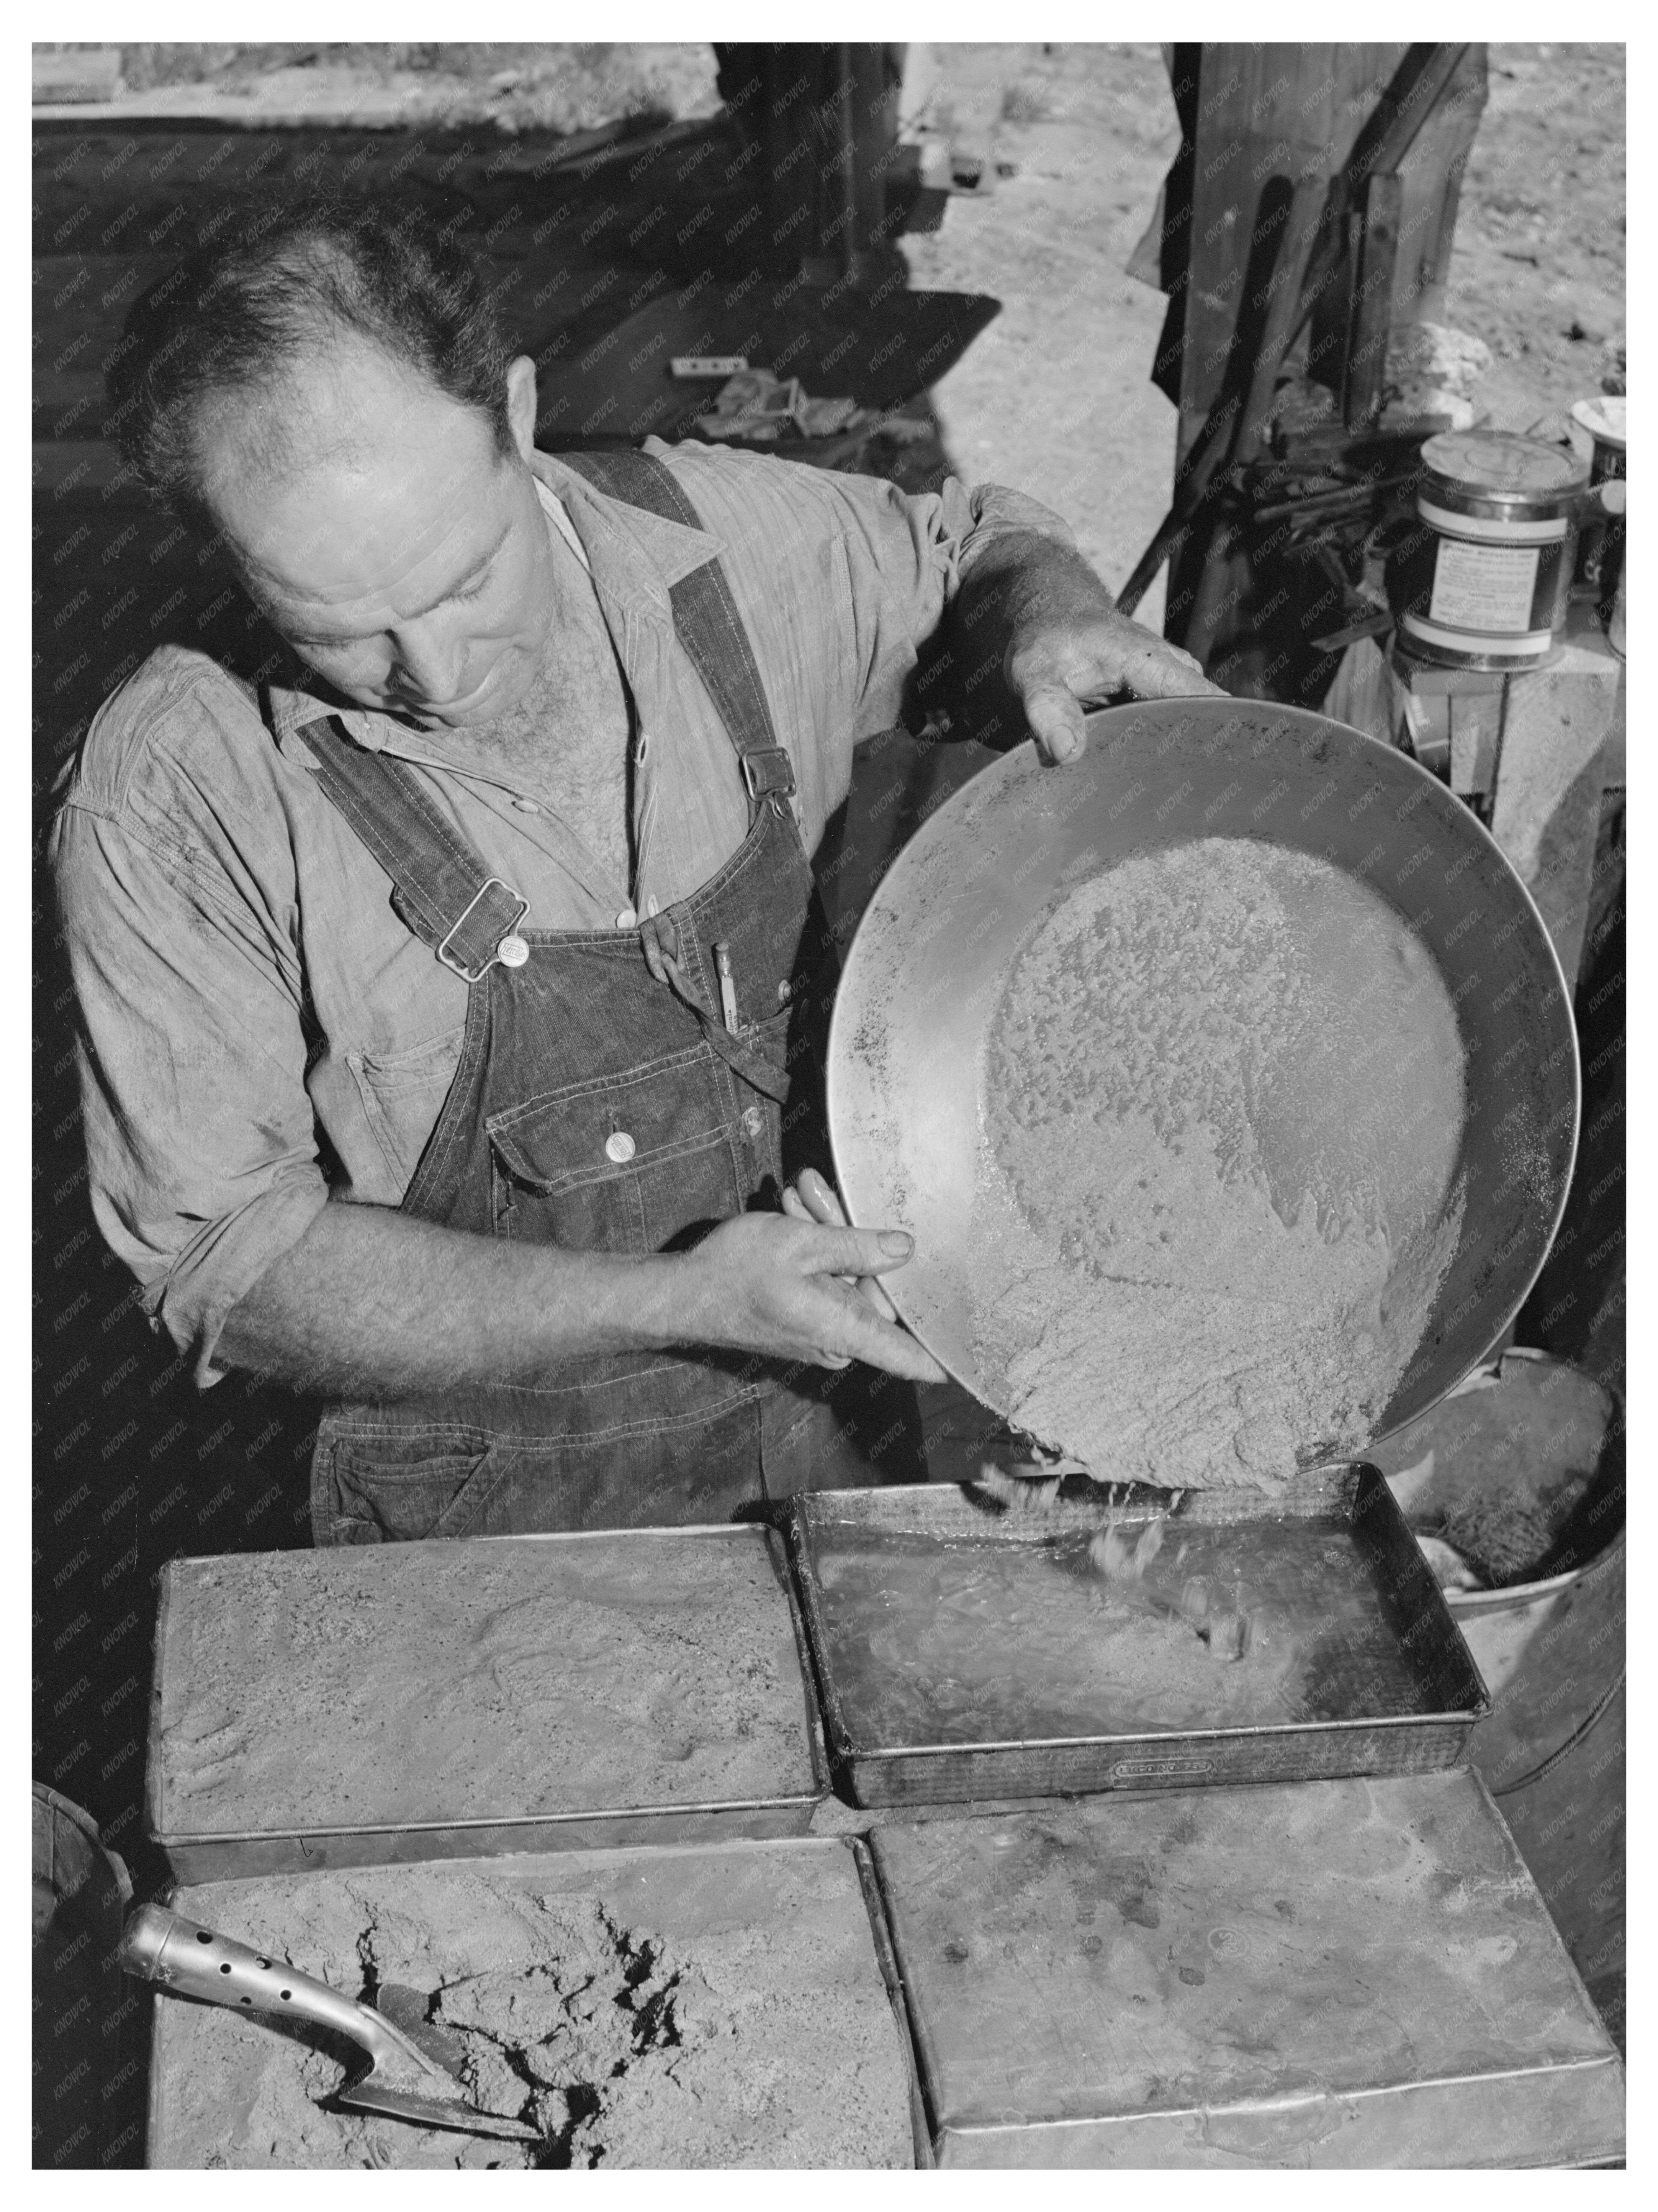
908,555
201,1143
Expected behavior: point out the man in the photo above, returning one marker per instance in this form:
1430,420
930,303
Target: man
500,903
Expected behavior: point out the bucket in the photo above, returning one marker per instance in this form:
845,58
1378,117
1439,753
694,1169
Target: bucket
1484,582
86,2086
1548,1636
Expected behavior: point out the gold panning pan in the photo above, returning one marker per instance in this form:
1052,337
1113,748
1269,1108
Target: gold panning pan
933,953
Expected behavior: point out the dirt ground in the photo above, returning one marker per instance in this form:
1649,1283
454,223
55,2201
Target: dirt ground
1054,396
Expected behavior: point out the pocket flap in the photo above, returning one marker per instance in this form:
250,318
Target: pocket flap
612,1125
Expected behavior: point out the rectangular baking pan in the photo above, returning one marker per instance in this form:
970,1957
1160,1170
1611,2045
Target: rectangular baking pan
1355,1973
894,1758
389,1705
809,2030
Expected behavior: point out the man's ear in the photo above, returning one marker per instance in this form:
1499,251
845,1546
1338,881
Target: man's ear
521,403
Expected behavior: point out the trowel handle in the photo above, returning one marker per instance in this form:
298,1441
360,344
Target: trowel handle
159,1946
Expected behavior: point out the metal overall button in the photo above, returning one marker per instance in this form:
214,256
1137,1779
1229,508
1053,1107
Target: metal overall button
753,1122
512,951
619,1146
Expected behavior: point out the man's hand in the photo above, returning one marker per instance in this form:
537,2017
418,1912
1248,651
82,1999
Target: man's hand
1053,667
776,1284
1061,641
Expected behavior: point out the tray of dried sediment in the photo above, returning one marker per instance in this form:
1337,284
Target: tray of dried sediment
379,1703
990,1642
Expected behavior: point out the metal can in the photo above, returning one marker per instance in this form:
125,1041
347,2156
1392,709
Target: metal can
1600,570
1483,581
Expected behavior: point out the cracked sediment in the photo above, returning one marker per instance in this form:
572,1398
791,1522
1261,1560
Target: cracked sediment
656,2009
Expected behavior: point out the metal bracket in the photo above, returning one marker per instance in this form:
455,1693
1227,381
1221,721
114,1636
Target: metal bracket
768,773
476,975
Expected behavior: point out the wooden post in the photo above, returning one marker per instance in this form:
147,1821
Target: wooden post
1372,301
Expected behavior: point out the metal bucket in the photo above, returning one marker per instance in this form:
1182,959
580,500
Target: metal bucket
1552,1750
1483,583
927,969
81,1997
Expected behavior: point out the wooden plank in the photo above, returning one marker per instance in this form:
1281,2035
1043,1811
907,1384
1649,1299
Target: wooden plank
82,468
1476,726
1372,308
1266,113
75,73
1431,175
1546,811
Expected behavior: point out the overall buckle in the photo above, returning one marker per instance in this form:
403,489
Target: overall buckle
476,975
768,773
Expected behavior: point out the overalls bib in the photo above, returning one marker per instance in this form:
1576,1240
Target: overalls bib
601,1103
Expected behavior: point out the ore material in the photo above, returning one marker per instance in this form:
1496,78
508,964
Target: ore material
681,2008
1221,1110
539,1677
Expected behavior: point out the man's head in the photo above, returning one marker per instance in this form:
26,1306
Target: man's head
331,396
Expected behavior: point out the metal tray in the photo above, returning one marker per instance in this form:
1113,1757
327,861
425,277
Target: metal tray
1352,1974
963,1647
813,2049
380,1705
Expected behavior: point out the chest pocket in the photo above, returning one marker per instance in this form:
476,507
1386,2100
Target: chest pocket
623,1163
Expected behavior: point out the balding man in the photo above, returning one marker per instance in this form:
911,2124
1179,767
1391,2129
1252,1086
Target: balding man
451,1002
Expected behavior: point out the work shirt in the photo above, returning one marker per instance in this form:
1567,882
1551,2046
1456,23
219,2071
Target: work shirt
245,986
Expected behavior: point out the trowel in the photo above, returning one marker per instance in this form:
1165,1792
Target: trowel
401,2079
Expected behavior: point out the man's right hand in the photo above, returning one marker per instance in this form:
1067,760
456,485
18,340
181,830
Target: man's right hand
767,1283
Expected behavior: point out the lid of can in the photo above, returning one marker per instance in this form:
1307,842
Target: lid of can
1603,418
1503,464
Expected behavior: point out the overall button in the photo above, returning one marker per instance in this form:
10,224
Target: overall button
753,1122
526,806
627,919
512,951
619,1146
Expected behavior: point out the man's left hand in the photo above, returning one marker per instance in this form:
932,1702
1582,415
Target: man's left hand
1052,665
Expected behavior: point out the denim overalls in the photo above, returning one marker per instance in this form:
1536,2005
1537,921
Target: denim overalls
602,1103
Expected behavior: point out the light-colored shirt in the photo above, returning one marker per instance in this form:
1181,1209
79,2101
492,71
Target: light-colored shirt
248,997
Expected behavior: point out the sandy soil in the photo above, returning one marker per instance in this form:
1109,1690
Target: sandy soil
691,2008
511,85
1221,1104
623,1672
1055,397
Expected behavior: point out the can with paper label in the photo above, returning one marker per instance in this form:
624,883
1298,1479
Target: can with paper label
1482,581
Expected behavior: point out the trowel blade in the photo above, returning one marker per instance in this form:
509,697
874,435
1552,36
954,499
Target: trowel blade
406,2010
371,2096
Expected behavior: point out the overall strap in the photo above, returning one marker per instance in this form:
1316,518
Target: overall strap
705,618
442,890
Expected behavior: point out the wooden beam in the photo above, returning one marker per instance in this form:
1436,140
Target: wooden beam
1365,368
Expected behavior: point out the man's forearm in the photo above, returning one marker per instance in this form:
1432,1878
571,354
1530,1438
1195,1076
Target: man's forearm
370,1303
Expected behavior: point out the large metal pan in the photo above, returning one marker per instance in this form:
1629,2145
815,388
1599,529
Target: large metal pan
927,967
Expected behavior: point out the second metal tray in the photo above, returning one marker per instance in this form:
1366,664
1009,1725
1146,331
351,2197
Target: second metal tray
969,1649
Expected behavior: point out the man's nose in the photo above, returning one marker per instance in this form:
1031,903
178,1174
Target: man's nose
428,662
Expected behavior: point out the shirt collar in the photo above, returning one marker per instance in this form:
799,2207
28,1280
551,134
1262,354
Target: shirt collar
635,557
